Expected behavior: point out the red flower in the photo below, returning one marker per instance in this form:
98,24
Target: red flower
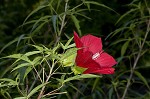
91,56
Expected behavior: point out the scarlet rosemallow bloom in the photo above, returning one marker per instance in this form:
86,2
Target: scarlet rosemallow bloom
91,56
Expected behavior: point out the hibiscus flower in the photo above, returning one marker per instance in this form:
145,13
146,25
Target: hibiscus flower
91,56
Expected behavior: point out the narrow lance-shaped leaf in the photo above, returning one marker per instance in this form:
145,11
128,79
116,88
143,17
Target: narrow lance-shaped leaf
38,48
19,39
20,98
10,82
99,4
68,42
78,77
37,22
21,65
32,53
54,19
124,47
38,28
76,22
34,11
127,13
142,78
10,43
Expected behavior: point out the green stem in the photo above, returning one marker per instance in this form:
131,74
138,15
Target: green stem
62,24
136,61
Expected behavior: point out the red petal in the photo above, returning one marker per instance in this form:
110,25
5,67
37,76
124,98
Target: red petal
77,40
78,43
93,43
105,60
85,60
99,71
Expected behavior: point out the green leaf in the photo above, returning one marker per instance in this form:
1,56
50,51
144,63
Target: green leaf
62,46
117,31
74,87
76,22
42,19
8,44
19,39
34,11
124,47
99,4
68,58
69,61
38,48
27,71
10,82
19,57
20,98
82,76
127,13
36,89
95,83
32,53
54,19
25,58
14,56
142,78
37,29
78,70
8,69
71,45
110,92
21,65
37,60
120,40
68,42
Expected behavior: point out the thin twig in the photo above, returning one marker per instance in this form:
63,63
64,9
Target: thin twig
136,61
35,80
62,23
50,73
54,91
57,40
49,76
37,73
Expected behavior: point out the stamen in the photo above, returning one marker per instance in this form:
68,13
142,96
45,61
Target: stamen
96,55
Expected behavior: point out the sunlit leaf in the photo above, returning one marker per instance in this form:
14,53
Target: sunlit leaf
82,76
20,98
38,48
68,42
78,70
68,58
9,82
32,53
21,65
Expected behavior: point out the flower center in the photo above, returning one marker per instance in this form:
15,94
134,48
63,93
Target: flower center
96,55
